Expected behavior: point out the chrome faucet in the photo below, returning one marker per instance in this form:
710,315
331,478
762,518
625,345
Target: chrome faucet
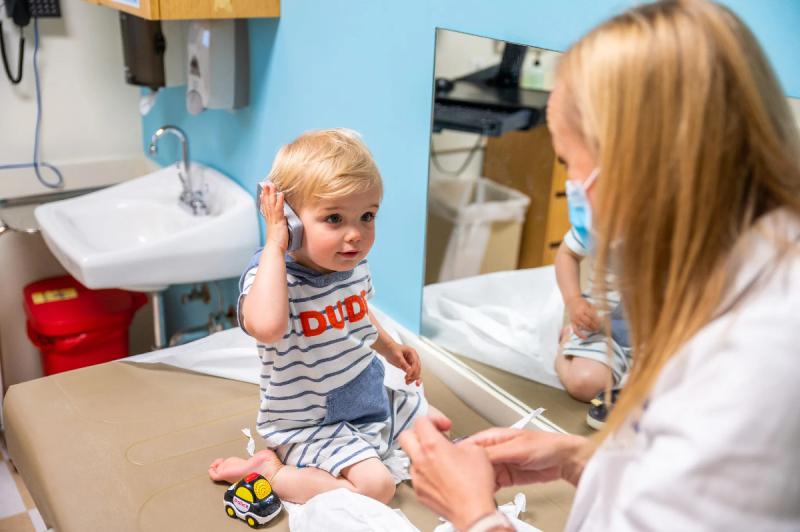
192,197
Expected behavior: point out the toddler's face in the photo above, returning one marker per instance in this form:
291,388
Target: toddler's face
338,233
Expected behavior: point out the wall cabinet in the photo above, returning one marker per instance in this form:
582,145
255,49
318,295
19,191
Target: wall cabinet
525,161
195,9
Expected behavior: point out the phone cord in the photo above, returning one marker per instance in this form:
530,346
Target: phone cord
37,164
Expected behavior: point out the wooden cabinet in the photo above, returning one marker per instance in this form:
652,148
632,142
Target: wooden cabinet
525,161
195,9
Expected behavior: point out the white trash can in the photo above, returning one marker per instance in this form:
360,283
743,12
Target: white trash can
474,227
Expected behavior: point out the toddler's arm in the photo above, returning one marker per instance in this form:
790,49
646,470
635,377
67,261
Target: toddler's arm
582,315
265,309
568,271
398,355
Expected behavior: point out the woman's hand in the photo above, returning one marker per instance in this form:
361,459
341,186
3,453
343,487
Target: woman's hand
583,317
455,481
272,207
527,456
405,358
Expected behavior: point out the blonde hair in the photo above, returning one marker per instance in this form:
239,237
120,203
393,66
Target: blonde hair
323,164
695,142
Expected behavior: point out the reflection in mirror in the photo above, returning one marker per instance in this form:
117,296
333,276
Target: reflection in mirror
497,214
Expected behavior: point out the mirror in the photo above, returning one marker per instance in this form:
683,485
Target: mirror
497,213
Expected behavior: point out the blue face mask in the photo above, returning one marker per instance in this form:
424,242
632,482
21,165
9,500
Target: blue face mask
580,210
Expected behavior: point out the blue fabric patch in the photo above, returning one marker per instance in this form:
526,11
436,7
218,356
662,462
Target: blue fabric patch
619,327
362,400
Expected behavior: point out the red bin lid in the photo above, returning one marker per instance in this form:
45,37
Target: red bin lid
61,306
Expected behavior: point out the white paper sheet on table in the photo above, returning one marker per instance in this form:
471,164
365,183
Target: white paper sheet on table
509,509
510,320
342,510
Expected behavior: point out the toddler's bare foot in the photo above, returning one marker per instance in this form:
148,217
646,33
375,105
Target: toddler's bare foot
233,469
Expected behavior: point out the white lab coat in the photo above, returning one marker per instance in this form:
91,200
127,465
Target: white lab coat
717,446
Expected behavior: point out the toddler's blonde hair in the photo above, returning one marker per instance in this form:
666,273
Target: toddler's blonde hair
324,164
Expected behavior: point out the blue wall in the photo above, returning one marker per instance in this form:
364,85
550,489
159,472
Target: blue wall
368,65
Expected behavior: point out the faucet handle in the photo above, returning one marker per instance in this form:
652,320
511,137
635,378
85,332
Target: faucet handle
198,203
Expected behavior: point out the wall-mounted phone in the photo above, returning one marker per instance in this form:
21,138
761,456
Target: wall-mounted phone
292,220
21,12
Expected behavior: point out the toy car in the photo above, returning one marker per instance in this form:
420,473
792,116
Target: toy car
252,500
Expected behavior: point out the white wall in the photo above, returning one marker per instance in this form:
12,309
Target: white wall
91,130
89,112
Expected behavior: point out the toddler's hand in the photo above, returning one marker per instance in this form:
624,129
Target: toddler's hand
407,359
583,317
272,207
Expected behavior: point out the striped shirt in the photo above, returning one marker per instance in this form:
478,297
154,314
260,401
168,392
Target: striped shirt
327,344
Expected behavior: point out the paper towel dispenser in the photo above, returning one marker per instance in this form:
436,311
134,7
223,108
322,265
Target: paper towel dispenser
143,48
154,51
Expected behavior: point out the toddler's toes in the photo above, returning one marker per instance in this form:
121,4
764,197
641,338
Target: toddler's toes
213,473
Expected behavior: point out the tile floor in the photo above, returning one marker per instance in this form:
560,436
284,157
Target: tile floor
17,511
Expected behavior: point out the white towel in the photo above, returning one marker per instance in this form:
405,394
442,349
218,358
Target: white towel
342,510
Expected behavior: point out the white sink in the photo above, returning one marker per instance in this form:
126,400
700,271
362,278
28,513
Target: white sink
137,235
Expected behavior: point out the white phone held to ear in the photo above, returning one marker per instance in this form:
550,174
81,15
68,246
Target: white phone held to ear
292,220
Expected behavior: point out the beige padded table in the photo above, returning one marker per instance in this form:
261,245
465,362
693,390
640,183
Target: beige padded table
125,447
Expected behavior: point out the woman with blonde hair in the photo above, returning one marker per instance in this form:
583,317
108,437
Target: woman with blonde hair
696,205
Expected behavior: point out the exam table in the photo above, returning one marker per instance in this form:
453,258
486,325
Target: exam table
126,446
